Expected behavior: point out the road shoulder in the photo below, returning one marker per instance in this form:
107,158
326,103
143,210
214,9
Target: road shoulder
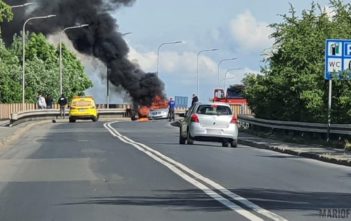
325,154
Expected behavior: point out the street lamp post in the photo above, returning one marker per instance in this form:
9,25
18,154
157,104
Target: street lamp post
24,52
197,67
225,76
61,65
126,33
108,74
158,51
219,64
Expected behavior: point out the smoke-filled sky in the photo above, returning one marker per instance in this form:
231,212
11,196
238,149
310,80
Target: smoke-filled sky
238,28
100,40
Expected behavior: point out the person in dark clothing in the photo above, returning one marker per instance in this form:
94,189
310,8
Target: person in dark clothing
171,107
62,101
49,102
194,100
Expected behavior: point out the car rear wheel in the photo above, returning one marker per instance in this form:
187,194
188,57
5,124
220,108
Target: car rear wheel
189,140
72,120
234,143
94,119
181,138
225,144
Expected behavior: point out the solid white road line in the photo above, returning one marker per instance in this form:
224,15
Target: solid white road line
176,166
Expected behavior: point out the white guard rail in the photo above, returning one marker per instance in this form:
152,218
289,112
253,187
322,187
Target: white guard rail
20,117
342,129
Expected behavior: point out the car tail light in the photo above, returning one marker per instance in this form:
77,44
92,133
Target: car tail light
195,118
234,120
72,108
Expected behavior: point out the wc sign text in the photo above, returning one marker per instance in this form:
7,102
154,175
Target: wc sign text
338,59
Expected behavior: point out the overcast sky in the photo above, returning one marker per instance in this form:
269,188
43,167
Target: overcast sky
239,28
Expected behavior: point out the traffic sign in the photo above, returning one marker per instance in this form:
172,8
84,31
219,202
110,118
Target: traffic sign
337,59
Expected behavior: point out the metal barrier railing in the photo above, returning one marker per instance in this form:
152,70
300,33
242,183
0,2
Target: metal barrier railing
341,129
17,118
7,109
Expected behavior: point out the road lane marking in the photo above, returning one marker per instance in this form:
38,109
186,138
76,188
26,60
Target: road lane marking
179,169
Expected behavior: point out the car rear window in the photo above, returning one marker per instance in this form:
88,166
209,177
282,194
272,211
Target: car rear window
214,110
82,103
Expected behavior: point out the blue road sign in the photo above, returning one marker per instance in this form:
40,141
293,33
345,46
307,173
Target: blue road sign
337,59
181,102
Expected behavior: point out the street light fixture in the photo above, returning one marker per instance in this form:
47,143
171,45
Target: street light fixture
197,67
158,51
21,6
61,65
225,76
24,52
219,64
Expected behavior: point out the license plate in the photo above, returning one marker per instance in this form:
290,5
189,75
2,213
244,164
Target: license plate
213,131
81,110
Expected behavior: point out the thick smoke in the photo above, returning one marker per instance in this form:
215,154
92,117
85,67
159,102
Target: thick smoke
101,39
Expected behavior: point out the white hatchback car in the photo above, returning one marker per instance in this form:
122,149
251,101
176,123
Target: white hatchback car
209,122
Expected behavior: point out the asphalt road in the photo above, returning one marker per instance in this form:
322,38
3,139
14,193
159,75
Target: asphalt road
138,171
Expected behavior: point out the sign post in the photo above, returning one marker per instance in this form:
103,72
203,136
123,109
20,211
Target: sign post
337,66
329,108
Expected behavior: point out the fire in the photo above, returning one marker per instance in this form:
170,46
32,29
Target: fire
157,103
143,113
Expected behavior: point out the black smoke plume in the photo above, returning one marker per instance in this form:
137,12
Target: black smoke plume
101,39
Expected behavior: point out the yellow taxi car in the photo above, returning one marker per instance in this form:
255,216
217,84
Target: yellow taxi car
83,107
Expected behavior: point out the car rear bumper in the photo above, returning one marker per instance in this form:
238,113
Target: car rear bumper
86,117
82,115
213,134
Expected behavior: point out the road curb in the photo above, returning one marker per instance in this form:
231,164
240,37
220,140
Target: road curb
320,157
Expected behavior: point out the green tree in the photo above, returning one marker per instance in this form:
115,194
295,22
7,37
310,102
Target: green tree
10,73
5,12
292,86
42,69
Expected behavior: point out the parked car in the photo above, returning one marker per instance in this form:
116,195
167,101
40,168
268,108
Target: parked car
83,107
212,122
159,113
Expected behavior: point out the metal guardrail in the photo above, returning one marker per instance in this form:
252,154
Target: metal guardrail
20,117
342,129
7,109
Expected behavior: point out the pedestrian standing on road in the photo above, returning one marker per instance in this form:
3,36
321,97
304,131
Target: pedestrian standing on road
49,101
41,102
62,101
171,107
195,99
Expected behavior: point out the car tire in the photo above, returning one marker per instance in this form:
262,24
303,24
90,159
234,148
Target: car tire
234,143
72,120
94,119
181,138
188,139
225,144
